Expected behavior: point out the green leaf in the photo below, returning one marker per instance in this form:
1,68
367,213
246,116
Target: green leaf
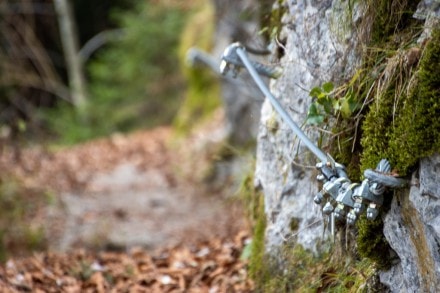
337,105
328,87
247,252
315,120
315,92
314,117
345,109
323,96
349,105
328,105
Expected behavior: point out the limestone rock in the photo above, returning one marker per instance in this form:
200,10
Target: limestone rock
412,227
318,46
428,8
242,101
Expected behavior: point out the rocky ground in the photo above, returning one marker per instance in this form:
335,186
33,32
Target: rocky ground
131,212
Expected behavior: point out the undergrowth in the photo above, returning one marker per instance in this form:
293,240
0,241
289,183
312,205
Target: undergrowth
300,270
133,82
293,268
20,234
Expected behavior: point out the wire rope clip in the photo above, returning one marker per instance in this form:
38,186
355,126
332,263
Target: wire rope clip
347,200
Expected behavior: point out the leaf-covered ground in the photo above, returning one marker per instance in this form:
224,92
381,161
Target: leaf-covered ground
129,213
214,266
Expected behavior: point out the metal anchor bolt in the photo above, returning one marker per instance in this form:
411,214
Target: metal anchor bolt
231,62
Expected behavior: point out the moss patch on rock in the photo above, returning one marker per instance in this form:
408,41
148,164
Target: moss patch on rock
406,128
401,86
371,242
257,269
302,271
417,128
295,269
253,203
390,17
401,123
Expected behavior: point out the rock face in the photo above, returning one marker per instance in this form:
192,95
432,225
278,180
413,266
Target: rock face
319,45
412,227
242,102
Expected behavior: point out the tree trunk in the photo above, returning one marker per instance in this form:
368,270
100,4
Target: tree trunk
69,41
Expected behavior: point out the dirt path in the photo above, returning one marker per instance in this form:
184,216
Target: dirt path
129,207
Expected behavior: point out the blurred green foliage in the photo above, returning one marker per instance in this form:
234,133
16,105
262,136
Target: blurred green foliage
20,233
203,87
133,82
94,17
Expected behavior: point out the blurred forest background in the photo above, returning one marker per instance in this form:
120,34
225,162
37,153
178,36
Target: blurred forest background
129,55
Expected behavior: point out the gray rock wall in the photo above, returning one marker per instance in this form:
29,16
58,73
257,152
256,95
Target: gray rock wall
412,226
242,102
320,45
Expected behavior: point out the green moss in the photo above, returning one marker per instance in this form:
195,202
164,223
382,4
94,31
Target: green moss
203,87
272,123
294,224
371,242
297,269
252,199
390,18
303,271
400,123
417,129
253,202
375,135
257,269
345,147
390,26
406,128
